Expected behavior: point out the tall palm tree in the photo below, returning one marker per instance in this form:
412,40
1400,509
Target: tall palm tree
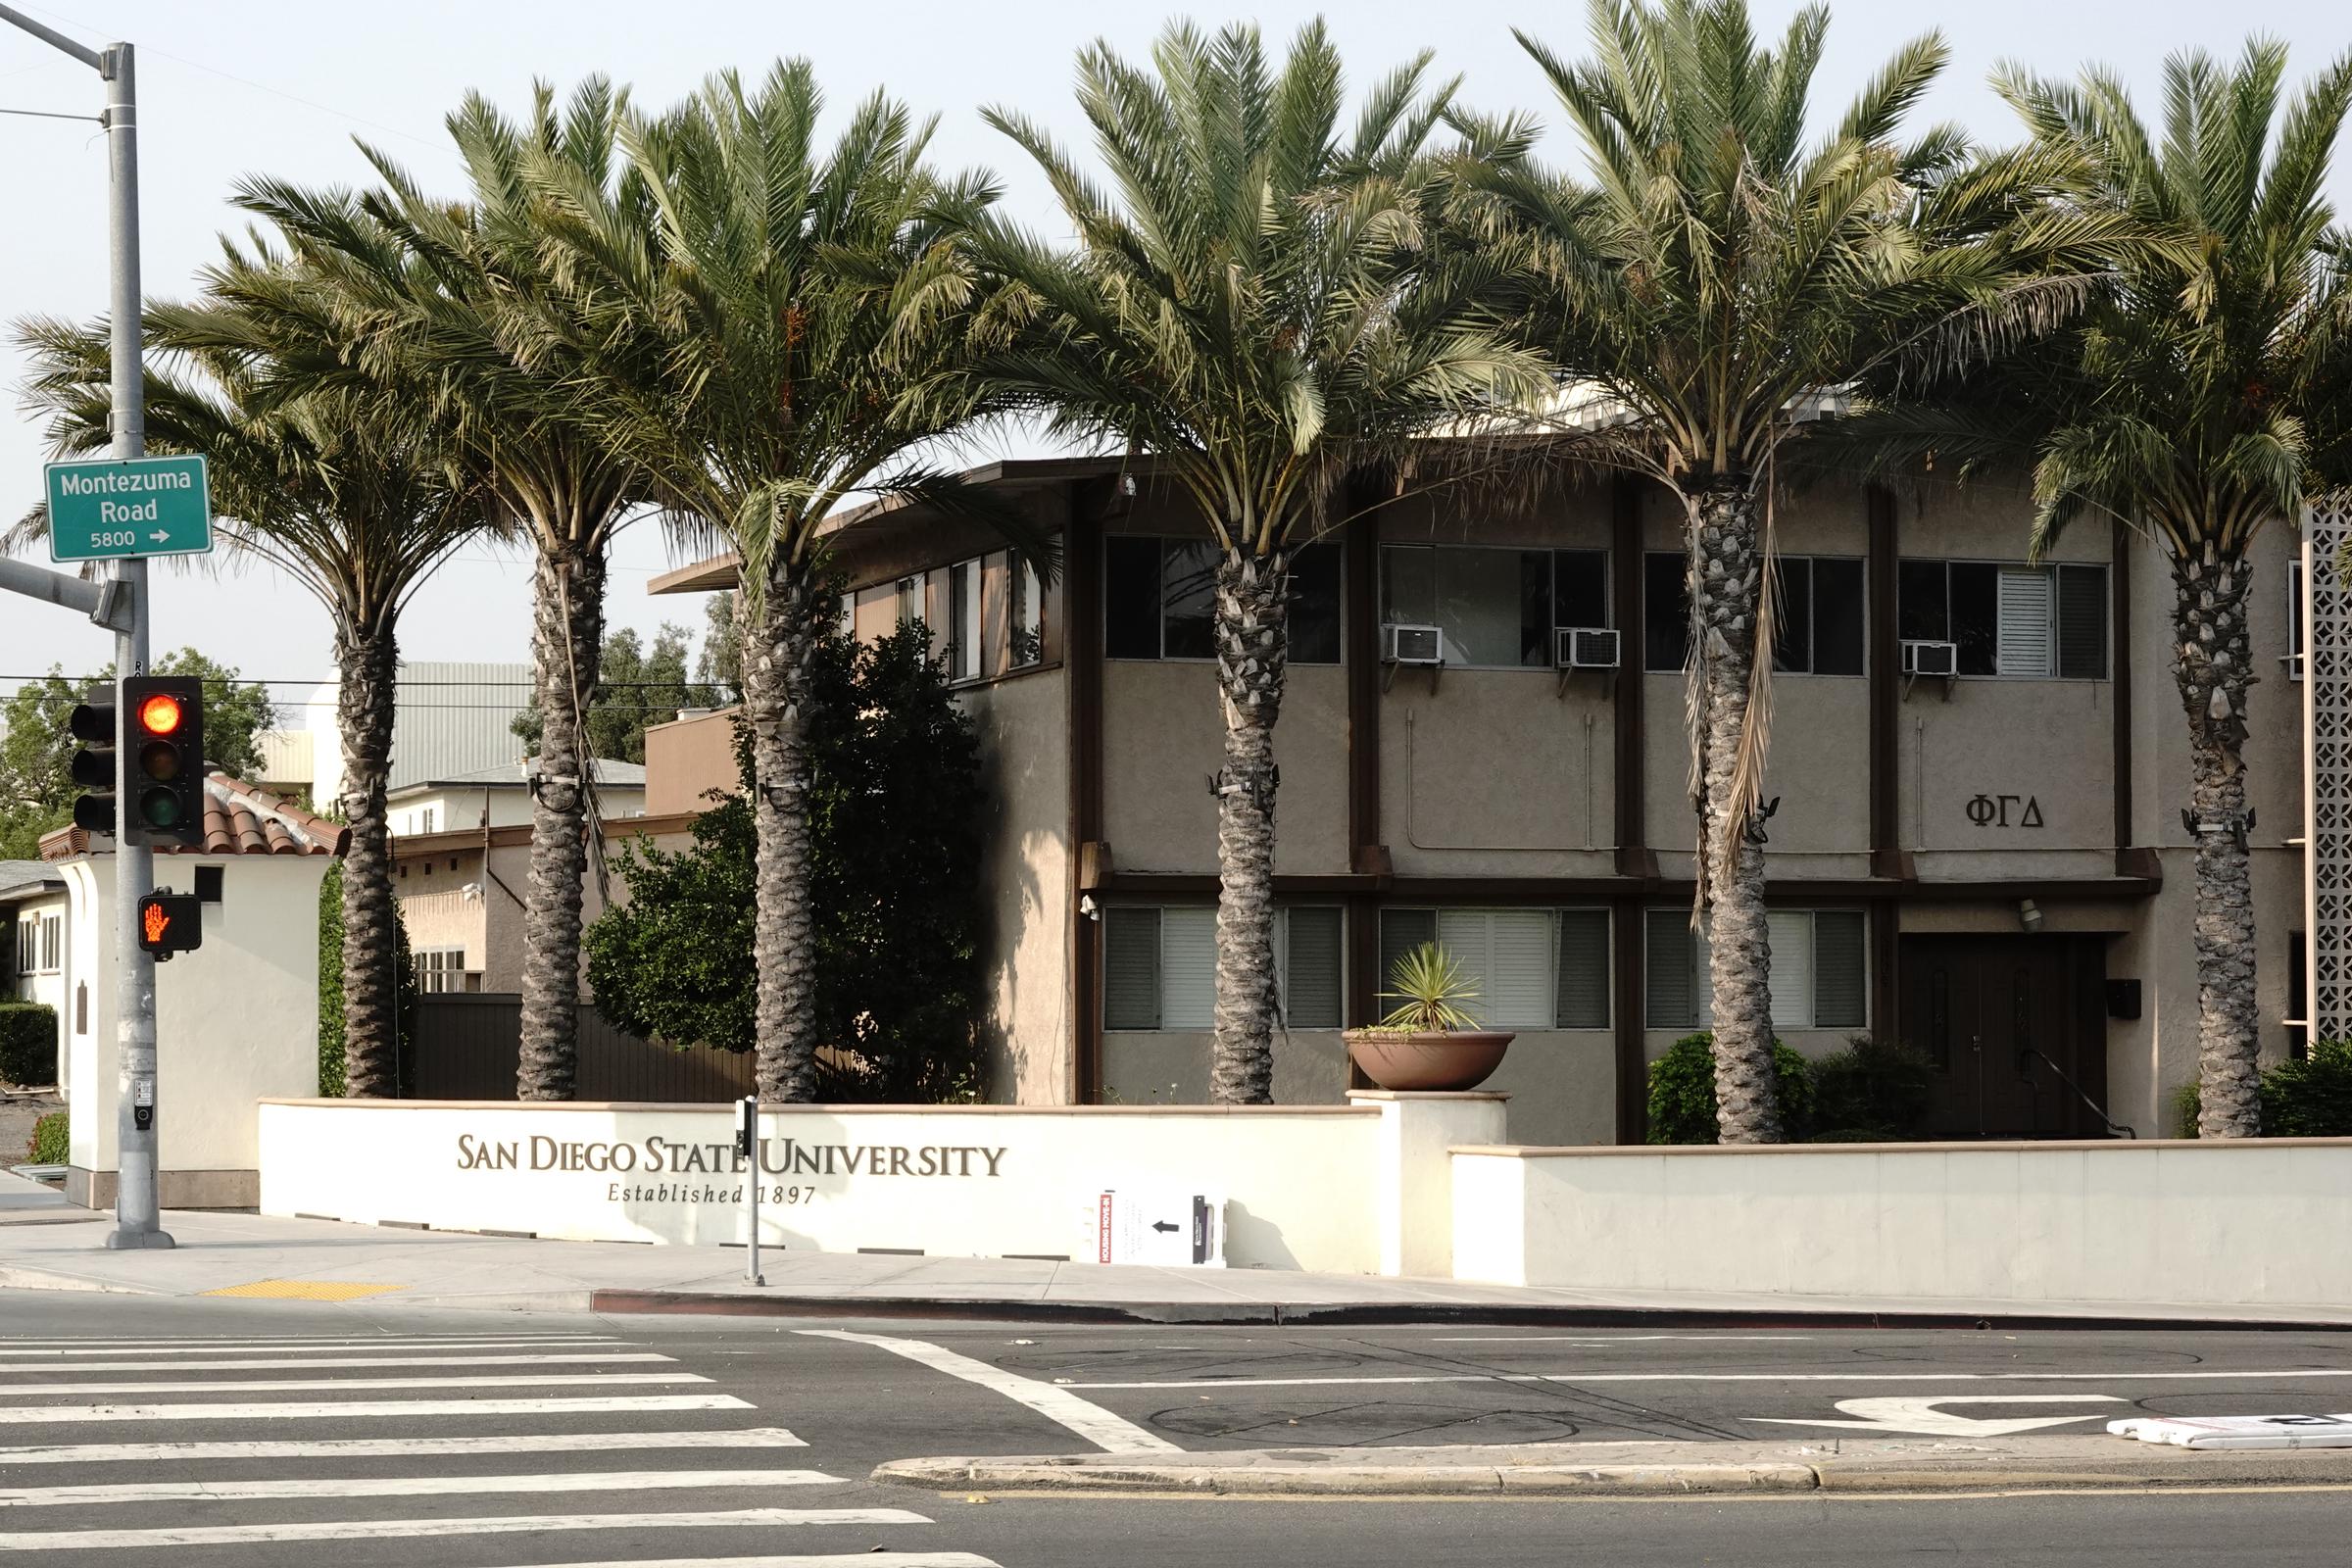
787,331
438,296
346,492
2191,402
1717,275
1261,303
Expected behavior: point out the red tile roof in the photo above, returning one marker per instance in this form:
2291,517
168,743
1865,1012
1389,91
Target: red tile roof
239,819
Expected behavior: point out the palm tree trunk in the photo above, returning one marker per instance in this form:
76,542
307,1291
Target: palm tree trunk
776,694
1253,657
2213,671
1726,581
569,626
369,669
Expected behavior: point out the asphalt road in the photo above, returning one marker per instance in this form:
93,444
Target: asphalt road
365,1434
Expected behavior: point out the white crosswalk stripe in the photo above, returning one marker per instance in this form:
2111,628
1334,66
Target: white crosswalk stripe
380,1464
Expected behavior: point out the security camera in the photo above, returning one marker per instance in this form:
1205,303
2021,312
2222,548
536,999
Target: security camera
1089,908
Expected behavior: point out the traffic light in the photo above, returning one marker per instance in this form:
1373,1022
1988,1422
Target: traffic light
163,771
93,768
170,922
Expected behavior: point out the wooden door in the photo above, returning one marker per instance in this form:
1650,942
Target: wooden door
2014,1030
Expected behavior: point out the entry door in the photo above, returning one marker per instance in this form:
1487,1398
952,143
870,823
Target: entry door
2012,1027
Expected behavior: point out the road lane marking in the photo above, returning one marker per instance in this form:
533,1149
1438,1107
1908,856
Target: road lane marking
50,1354
1590,1340
75,1414
269,1363
401,1529
1097,1426
278,1487
259,1385
1715,1376
395,1447
1921,1417
862,1559
80,1344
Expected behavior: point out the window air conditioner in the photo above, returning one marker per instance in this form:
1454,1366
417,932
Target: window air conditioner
1411,645
1931,659
1585,648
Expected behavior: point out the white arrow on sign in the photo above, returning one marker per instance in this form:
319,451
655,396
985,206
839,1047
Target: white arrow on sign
159,536
1921,1418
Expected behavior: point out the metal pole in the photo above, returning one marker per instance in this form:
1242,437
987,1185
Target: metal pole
751,1270
138,1208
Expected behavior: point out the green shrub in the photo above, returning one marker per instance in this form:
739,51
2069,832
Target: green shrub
50,1145
1871,1092
28,1043
330,990
1682,1091
2307,1099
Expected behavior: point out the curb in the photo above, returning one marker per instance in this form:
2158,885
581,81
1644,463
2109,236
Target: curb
1373,1314
36,1278
2096,1464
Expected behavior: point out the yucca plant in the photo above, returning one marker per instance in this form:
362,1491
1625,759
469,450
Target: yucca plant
1261,302
1429,987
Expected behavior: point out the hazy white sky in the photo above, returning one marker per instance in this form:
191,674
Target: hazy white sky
233,87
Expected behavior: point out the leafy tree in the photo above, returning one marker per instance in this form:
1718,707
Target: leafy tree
720,665
1683,1108
1257,303
36,789
333,1053
793,328
2205,392
637,686
893,791
1717,274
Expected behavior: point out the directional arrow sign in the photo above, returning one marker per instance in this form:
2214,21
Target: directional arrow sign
1921,1418
118,507
1163,1225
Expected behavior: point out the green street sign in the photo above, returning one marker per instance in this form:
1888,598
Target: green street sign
117,507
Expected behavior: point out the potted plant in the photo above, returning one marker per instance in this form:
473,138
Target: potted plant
1427,1041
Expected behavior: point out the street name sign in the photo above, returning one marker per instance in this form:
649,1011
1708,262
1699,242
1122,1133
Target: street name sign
110,507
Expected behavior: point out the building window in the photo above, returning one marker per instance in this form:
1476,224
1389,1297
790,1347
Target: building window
910,600
1818,629
28,946
1160,967
1819,970
1532,968
440,970
848,614
209,880
1159,600
53,943
1026,611
2031,622
963,620
1495,608
2294,621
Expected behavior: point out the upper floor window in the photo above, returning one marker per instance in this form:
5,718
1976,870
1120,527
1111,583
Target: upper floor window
1532,968
2294,621
2014,620
1494,607
440,970
1025,614
963,620
1817,629
1819,970
1159,600
1160,966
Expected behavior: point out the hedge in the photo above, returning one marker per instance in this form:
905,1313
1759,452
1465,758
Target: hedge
2310,1097
1682,1091
50,1144
28,1043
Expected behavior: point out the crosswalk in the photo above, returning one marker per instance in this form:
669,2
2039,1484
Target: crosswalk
288,1444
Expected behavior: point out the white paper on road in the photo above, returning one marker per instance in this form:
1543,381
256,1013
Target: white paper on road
1097,1426
2240,1431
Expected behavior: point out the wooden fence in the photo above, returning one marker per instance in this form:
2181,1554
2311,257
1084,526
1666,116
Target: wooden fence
466,1045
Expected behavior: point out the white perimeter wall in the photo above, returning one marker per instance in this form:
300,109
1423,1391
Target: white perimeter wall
2263,1221
1300,1183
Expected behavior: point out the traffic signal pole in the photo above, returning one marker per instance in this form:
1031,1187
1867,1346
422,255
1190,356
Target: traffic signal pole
138,1218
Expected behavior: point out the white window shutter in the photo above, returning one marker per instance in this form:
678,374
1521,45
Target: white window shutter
1466,937
1519,973
2024,627
1792,937
1188,968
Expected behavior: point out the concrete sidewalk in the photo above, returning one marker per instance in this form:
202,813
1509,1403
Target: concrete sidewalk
1638,1469
47,1244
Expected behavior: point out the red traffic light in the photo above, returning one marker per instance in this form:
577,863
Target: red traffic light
159,714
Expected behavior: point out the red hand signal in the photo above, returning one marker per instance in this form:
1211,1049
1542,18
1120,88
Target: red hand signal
155,922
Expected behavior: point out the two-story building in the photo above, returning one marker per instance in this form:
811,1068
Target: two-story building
1978,764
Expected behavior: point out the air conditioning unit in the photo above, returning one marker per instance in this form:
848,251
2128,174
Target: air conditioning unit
1931,659
1585,648
1411,645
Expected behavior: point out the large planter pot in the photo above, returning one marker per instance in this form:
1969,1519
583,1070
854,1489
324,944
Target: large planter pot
1438,1060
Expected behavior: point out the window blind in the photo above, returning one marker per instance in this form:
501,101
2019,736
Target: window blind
1130,968
1791,939
2082,622
1311,968
1580,999
1400,932
1668,970
2025,622
1188,968
1839,1000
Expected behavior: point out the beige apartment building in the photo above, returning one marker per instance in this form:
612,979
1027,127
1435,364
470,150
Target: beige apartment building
1979,766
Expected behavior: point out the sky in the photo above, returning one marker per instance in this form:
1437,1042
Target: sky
230,87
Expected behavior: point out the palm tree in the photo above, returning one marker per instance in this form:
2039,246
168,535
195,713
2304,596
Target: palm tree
343,491
1715,279
1264,305
788,330
2191,402
437,297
